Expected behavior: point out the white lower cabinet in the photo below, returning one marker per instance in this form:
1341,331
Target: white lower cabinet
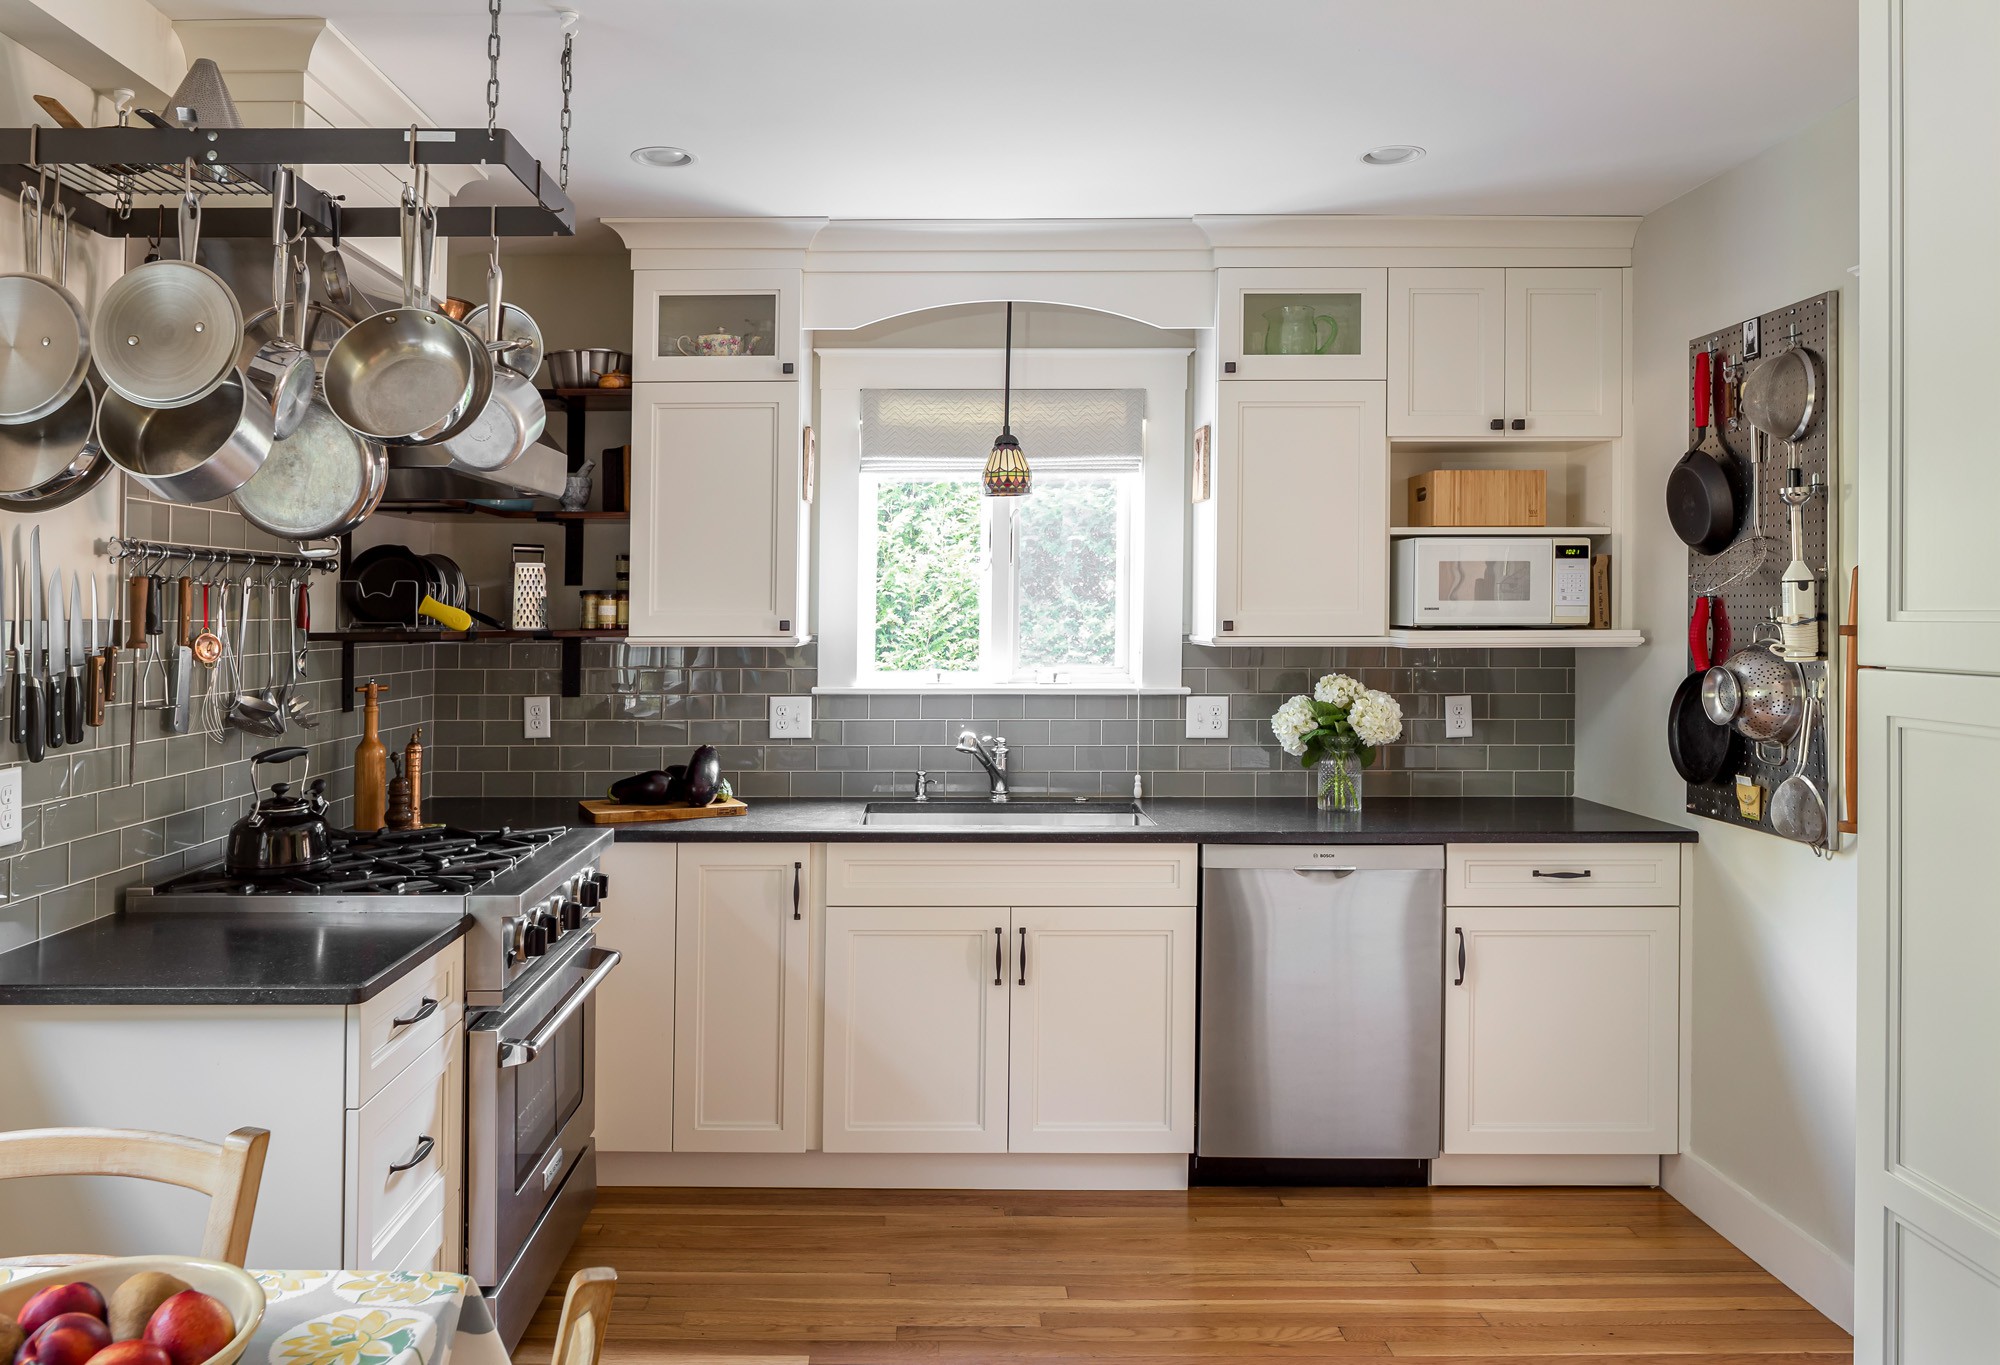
1031,1029
405,1150
635,1005
742,990
1102,1051
1561,1029
916,1029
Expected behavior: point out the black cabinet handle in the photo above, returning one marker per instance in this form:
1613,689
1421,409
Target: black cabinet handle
1520,424
999,938
1461,957
1499,424
1562,876
797,870
1024,959
423,1012
1229,367
425,1146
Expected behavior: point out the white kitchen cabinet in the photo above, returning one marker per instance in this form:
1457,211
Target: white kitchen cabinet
1447,352
715,324
1522,354
635,1005
1335,318
406,1154
1102,1050
916,1028
1301,524
719,514
1561,1029
742,988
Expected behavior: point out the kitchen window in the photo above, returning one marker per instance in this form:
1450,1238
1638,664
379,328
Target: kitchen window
927,584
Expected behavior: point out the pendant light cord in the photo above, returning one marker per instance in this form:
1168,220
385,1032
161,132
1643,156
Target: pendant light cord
1007,381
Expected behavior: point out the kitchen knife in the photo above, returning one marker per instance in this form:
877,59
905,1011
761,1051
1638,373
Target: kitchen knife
58,658
39,628
73,657
96,669
31,689
13,691
112,642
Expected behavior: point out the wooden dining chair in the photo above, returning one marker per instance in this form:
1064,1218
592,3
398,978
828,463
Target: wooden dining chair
228,1172
586,1312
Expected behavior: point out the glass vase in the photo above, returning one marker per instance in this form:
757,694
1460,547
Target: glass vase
1337,782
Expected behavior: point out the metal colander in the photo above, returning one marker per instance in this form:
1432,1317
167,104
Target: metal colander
1757,692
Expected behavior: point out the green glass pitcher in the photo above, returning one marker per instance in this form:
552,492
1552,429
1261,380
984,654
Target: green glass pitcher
1294,329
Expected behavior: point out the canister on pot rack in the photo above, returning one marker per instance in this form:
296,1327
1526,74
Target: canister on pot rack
531,588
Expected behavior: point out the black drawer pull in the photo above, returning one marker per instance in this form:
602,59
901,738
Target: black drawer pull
1562,876
423,1012
425,1146
797,869
1024,959
1461,957
999,938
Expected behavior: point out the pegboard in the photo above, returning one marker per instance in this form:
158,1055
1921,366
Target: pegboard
1747,573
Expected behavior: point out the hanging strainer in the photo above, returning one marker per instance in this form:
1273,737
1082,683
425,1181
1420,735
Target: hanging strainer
1756,692
1782,394
1798,811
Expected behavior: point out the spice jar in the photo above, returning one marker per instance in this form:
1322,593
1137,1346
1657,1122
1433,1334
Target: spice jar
607,610
624,609
587,618
621,569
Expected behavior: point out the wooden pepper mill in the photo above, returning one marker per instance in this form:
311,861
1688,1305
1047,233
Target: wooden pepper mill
371,763
413,768
398,816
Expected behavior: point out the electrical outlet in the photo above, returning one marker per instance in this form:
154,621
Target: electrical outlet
1458,718
1208,718
534,717
791,717
10,805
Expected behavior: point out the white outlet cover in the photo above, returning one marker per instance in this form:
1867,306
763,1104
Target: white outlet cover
1208,717
535,718
10,805
791,717
1458,717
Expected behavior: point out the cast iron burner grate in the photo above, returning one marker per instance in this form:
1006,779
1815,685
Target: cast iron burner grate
439,861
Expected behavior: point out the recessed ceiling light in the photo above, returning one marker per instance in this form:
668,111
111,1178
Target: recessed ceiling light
665,157
1395,154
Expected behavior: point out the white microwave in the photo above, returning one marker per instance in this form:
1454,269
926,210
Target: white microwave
1491,581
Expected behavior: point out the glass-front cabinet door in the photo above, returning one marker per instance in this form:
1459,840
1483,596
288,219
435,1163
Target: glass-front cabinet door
715,324
1284,323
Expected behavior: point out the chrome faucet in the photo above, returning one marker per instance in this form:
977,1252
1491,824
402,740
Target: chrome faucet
992,756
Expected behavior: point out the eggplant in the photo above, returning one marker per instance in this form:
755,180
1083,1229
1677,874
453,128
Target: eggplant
704,775
653,788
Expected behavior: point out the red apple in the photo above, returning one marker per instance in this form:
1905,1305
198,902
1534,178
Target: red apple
76,1322
65,1345
133,1352
75,1297
190,1327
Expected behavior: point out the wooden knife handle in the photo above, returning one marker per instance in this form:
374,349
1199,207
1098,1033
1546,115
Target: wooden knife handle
135,612
93,698
110,673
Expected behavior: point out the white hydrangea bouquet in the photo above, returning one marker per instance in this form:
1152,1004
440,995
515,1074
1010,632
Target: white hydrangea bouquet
1338,729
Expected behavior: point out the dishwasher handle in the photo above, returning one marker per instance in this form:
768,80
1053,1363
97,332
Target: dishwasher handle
1335,872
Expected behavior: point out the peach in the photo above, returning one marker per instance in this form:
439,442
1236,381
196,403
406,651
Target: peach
75,1297
190,1327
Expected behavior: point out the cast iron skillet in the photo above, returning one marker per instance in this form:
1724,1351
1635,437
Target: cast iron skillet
1700,502
1698,746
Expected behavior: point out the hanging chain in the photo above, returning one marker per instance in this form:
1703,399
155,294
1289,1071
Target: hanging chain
493,68
562,161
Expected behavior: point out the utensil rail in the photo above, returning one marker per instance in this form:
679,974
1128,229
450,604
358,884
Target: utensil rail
125,547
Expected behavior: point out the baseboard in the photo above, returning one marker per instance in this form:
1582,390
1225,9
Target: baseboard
1808,1267
1506,1169
893,1171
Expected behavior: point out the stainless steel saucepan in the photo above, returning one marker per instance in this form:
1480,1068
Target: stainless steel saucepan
45,345
514,417
407,374
197,452
168,330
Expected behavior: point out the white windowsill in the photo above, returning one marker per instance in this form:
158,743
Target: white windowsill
1000,690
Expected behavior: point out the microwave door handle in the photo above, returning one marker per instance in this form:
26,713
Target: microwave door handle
521,1051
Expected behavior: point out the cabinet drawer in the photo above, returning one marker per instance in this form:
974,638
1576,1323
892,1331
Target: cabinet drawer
413,1123
1011,874
384,1034
1563,874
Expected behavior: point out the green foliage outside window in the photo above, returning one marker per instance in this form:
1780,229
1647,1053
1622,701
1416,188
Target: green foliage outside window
1068,574
927,575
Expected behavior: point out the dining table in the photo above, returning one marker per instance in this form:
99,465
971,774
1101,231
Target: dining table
363,1317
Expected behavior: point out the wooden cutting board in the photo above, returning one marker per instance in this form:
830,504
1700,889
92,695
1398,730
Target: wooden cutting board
612,813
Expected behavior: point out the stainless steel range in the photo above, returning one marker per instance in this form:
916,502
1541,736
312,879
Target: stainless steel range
532,965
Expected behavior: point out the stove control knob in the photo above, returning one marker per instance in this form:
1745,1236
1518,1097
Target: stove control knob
603,884
510,939
587,894
534,938
571,916
551,921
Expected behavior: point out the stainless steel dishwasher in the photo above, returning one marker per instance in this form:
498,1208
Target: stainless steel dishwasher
1322,1012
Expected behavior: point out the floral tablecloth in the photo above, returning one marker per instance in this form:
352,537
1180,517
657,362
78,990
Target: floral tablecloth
366,1317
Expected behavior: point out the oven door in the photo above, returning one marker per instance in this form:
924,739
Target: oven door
531,1106
1501,581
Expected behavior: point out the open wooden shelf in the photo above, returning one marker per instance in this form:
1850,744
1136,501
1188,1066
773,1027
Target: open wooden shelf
465,507
591,400
572,642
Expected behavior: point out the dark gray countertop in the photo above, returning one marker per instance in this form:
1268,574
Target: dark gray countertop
1392,820
225,957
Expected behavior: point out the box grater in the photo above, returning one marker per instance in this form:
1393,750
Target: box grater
531,588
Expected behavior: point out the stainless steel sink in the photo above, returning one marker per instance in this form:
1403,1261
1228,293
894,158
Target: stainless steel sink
954,814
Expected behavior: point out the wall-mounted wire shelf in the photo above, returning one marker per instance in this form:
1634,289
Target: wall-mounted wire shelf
109,174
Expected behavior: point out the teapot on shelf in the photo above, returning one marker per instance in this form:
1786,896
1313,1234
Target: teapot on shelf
1294,329
717,343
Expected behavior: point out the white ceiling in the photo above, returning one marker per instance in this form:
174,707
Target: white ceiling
1125,108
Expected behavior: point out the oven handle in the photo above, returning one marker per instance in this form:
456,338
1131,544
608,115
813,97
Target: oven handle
521,1051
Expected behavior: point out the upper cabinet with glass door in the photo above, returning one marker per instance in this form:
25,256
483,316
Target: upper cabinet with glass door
1284,323
715,324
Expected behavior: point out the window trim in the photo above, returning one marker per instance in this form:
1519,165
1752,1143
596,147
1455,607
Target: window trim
1158,532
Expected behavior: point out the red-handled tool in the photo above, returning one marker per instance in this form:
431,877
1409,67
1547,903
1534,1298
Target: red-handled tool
1698,635
1708,632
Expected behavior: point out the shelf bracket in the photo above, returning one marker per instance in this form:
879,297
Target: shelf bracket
572,554
572,666
347,675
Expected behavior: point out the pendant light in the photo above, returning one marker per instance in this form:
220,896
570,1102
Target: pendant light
1007,468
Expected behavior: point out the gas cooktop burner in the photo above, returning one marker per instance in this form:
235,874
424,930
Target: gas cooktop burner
440,861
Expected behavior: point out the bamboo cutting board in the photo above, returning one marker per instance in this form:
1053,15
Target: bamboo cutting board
612,813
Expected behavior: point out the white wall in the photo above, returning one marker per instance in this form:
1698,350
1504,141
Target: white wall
1773,968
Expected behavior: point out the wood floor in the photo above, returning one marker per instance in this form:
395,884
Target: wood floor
1584,1277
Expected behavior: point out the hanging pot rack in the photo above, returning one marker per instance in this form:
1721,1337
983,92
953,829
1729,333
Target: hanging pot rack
102,169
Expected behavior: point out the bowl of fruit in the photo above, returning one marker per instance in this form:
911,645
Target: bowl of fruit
131,1310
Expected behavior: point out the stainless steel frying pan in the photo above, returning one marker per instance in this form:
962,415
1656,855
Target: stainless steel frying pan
280,370
45,344
168,330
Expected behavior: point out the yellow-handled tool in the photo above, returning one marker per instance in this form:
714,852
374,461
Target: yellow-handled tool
451,618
